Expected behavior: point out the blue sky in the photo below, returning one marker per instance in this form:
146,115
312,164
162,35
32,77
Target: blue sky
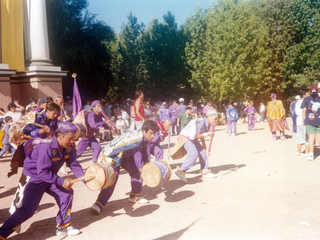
114,12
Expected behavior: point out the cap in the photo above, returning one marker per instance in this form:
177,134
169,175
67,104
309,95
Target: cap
297,97
273,95
67,97
164,103
42,100
181,99
119,116
209,102
68,127
33,104
128,99
95,102
313,88
191,101
211,113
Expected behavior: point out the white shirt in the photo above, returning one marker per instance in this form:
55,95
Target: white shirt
15,116
262,108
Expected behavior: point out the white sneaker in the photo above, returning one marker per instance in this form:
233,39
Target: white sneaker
209,175
310,157
140,200
95,208
228,134
67,231
298,154
232,135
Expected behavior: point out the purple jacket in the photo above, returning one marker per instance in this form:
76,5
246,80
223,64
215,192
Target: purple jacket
180,109
47,158
164,112
173,114
93,123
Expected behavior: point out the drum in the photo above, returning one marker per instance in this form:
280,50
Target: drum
82,130
156,173
105,176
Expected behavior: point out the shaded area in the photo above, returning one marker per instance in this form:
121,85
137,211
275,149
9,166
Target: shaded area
9,192
175,235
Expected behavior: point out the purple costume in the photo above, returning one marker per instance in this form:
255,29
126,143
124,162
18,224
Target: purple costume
42,166
164,112
93,122
154,147
250,110
195,149
132,161
5,141
174,118
41,118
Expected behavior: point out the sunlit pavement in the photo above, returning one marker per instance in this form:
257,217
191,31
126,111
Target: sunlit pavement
263,191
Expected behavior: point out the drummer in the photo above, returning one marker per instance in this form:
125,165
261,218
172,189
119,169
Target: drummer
94,122
41,167
154,145
130,158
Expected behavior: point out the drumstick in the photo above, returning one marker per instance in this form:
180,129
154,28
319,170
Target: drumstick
108,120
86,178
38,125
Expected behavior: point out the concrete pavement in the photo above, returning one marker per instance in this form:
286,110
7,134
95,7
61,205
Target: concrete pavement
263,191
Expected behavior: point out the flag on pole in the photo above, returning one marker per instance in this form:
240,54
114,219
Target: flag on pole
77,105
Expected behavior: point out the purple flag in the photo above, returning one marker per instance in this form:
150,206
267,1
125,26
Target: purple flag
77,105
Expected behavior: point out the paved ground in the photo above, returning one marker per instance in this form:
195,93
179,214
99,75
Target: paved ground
263,191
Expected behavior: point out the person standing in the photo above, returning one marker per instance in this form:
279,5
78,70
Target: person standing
93,122
301,129
262,111
181,108
164,112
16,115
276,116
310,118
41,167
174,117
6,146
207,108
250,111
293,115
184,119
232,118
193,108
139,109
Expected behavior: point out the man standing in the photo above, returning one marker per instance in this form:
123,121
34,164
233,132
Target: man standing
41,166
139,109
174,117
232,117
132,161
276,115
184,118
310,118
68,108
293,115
93,122
194,149
180,109
193,108
164,112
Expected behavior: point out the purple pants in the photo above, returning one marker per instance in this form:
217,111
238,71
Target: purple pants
136,182
251,122
33,193
6,147
175,128
232,124
194,150
94,145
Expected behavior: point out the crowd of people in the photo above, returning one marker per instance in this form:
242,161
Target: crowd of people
49,144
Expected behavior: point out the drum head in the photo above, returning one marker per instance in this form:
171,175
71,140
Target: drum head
100,177
151,175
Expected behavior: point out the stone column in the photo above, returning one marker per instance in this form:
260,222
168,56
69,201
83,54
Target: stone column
36,33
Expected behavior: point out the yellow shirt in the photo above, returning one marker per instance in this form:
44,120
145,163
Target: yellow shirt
275,110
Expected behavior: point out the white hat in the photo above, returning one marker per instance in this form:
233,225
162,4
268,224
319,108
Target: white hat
128,99
211,113
297,97
181,99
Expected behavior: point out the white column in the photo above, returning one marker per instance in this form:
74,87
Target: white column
36,33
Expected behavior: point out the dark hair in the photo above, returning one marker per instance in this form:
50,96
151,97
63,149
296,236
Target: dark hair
149,124
49,99
138,93
7,119
63,133
2,109
33,100
10,105
53,107
303,92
